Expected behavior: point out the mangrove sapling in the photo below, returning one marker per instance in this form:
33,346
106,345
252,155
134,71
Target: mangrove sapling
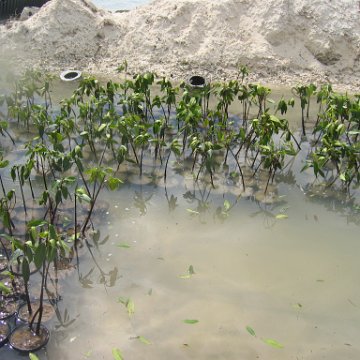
168,99
244,95
259,95
3,165
7,204
226,93
189,113
98,177
173,148
304,92
4,130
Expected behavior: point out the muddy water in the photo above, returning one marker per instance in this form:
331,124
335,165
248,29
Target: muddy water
294,281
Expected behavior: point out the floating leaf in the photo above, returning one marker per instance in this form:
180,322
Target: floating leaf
186,276
130,306
144,340
193,212
251,331
281,216
227,205
117,354
191,321
190,273
273,343
33,357
125,246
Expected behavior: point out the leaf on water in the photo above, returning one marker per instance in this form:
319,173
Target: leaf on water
191,321
273,343
191,270
122,300
251,331
33,356
130,306
193,212
144,340
227,205
281,216
186,276
117,354
125,246
190,273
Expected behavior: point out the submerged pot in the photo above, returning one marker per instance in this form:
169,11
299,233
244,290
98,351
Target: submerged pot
16,266
3,261
5,331
25,340
8,308
23,314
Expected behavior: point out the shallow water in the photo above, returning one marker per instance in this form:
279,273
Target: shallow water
292,280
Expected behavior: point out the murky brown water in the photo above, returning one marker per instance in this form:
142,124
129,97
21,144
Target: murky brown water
292,280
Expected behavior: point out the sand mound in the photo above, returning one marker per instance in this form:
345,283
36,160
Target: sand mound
280,40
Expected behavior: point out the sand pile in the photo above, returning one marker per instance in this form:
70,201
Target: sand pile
280,40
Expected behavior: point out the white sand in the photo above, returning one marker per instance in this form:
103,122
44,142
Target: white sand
281,41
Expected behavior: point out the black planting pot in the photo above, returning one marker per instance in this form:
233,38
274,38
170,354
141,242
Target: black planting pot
25,340
197,81
5,331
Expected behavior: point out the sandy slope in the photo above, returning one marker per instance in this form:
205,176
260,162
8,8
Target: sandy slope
280,40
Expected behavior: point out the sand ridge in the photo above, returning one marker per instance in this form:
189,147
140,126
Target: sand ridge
281,41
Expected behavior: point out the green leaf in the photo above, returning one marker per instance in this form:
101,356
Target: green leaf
25,270
36,223
193,212
191,270
117,354
114,183
281,216
33,356
4,289
123,245
185,276
273,343
130,306
190,321
251,331
40,254
227,205
144,340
